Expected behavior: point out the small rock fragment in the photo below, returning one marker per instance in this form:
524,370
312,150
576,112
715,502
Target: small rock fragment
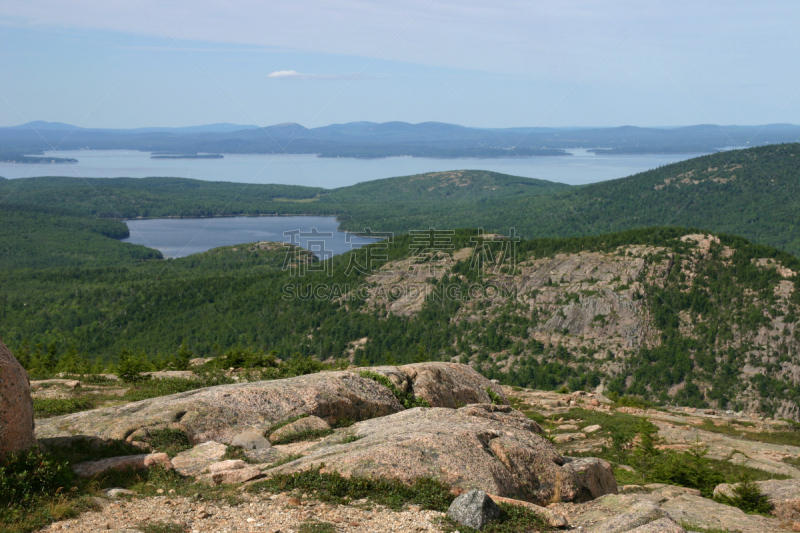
474,509
239,475
117,492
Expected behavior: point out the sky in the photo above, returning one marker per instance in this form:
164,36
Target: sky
505,63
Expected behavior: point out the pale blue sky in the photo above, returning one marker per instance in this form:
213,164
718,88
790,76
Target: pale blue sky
504,63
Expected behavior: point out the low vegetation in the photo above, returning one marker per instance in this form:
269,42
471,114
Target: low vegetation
335,488
406,399
747,496
633,442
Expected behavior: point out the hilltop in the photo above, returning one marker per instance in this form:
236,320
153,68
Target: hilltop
743,192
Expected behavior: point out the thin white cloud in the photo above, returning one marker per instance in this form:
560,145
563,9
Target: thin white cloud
294,75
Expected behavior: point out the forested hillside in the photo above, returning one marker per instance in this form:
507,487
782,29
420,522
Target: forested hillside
750,192
753,193
671,315
38,237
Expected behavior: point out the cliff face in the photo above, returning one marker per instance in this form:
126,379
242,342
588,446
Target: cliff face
700,322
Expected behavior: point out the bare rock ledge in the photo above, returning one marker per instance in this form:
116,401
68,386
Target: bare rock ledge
488,447
221,413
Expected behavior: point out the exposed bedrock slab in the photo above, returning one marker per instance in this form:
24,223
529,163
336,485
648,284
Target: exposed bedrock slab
442,384
487,447
221,413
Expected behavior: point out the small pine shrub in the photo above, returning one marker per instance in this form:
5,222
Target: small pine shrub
130,367
182,358
496,398
748,497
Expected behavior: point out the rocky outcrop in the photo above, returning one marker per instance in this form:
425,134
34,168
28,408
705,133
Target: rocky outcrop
552,518
197,460
16,405
223,412
639,514
127,462
594,478
220,413
708,514
231,472
442,384
487,447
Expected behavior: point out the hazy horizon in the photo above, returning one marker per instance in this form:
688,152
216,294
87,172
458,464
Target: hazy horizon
508,64
246,126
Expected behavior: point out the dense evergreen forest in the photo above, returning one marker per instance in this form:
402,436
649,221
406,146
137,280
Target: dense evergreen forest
242,297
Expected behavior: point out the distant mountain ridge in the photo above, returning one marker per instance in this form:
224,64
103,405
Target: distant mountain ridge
222,127
372,139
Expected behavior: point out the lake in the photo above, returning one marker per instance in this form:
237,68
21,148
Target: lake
300,169
179,237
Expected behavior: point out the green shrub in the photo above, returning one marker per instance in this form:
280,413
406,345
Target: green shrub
27,476
47,407
633,401
269,365
406,399
130,367
168,440
748,497
182,357
88,449
496,398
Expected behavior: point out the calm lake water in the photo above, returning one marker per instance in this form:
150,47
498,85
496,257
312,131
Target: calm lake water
179,237
295,169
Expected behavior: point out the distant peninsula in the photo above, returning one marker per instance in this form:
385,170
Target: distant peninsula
187,156
35,159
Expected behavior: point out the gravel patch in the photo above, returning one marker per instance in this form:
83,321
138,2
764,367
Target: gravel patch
281,513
